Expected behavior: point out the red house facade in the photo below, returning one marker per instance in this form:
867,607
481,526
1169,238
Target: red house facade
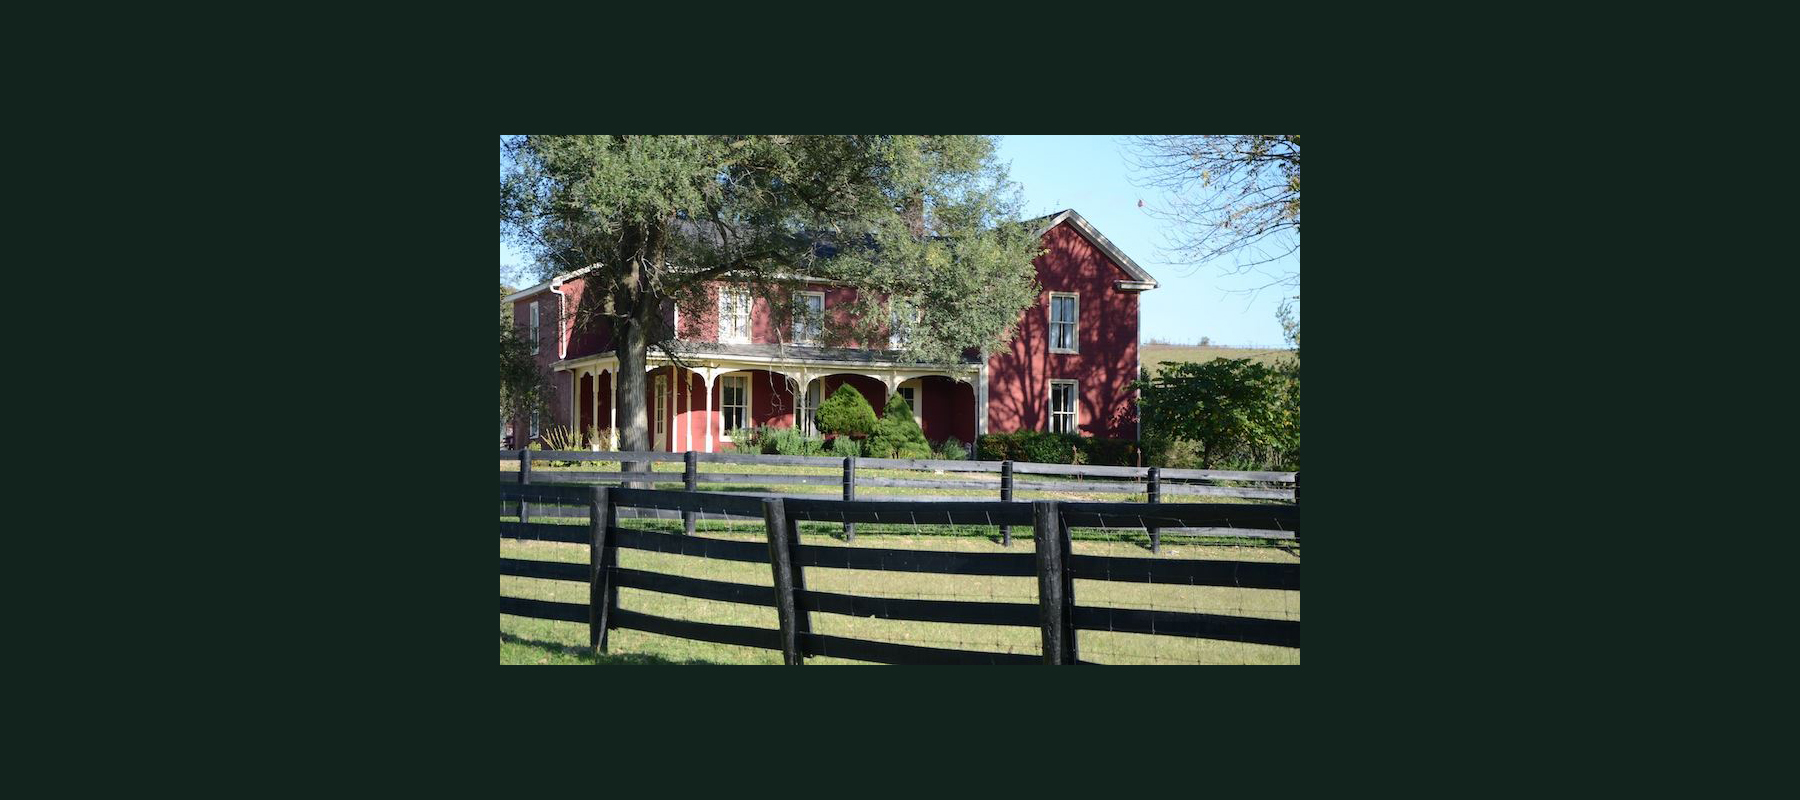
1069,368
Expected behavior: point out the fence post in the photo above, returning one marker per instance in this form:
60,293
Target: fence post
1065,546
1155,497
782,563
849,494
524,478
601,595
1051,569
1006,495
1296,500
688,477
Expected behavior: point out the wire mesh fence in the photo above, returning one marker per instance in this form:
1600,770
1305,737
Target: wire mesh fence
920,583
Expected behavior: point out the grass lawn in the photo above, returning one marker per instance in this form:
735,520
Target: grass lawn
532,641
1152,354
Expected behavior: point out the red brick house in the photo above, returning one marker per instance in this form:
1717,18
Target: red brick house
1069,368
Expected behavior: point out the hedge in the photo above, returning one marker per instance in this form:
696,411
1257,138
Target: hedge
1043,447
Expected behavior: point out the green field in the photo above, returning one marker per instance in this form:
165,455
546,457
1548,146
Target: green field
533,641
1152,354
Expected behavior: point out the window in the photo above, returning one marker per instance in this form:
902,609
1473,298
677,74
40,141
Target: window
1062,407
1062,323
911,395
734,314
662,409
534,345
534,427
811,309
899,333
734,404
806,417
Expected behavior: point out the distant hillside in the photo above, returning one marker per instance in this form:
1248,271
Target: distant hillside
1152,354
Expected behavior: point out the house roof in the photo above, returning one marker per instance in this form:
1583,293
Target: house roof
1095,237
823,247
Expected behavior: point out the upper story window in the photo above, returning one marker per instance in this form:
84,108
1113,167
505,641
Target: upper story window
899,328
810,307
534,342
734,314
1063,311
1062,407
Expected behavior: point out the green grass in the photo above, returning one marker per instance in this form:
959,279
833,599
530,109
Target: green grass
531,641
1152,354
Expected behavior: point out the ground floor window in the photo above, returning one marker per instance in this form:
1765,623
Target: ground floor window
734,404
806,415
662,407
534,421
1062,407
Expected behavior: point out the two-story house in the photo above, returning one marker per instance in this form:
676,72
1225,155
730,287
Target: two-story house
1069,368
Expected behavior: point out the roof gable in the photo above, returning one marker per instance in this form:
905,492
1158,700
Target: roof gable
1097,239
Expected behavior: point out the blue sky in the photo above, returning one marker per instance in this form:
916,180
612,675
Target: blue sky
1089,174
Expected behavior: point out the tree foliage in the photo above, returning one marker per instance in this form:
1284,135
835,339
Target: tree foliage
897,434
921,222
847,413
1240,413
524,386
1227,195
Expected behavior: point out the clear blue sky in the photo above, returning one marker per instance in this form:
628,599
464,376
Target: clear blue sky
1089,174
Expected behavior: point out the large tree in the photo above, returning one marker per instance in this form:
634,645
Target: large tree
924,227
1235,196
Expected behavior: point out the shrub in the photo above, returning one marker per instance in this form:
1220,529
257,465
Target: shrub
953,450
1236,410
1056,448
896,434
791,442
745,440
846,413
844,446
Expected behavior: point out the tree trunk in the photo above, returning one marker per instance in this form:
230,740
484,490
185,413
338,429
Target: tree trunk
634,434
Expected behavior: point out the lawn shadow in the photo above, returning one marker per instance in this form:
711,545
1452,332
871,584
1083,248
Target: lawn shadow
588,656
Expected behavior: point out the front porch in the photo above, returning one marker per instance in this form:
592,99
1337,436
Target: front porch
745,386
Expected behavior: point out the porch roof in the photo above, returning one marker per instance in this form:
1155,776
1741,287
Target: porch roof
715,354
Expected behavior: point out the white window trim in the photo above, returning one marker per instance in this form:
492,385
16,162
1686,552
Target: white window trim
660,418
805,409
749,389
1074,400
896,339
917,385
534,329
1074,325
725,292
799,323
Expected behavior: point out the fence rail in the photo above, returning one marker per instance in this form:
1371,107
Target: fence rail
1009,478
1056,614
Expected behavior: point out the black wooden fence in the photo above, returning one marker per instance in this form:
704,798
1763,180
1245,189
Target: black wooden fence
1056,614
1154,482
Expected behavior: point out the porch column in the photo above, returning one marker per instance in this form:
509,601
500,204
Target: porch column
594,413
708,374
612,411
575,401
687,391
981,398
893,384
